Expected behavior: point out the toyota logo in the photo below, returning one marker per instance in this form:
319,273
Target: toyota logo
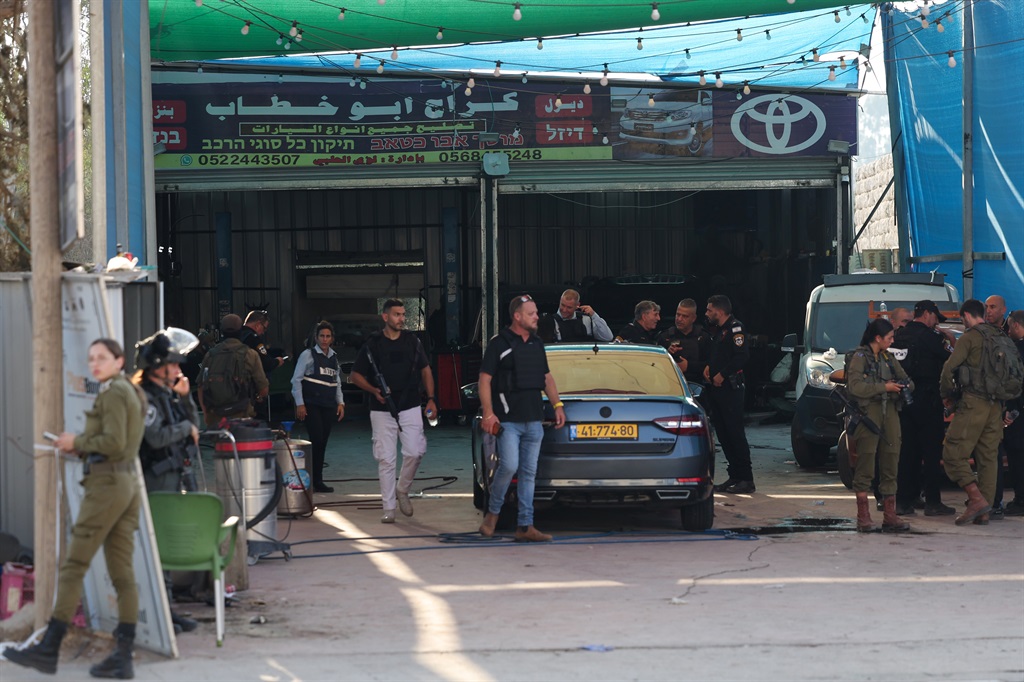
778,113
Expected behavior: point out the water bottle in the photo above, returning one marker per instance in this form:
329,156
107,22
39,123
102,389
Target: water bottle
432,417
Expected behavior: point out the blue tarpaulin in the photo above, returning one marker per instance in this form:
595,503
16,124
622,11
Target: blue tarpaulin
927,93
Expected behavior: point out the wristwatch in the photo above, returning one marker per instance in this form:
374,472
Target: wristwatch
430,397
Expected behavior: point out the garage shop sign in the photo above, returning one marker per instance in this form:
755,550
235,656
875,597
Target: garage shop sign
208,123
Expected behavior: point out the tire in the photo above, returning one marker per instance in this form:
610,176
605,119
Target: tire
843,460
807,455
699,517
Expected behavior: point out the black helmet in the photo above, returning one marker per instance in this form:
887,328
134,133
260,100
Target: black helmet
166,346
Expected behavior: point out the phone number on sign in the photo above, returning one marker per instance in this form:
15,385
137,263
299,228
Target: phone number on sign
513,155
248,159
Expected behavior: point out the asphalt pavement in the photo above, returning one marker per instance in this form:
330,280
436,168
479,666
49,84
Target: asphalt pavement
781,589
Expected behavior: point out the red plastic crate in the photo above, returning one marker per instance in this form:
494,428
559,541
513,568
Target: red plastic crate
17,588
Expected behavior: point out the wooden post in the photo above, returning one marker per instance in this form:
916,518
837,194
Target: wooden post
47,360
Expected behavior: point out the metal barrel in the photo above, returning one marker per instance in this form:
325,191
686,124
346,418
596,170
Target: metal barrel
252,477
296,498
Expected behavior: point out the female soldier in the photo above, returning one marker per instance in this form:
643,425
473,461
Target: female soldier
871,378
109,514
316,388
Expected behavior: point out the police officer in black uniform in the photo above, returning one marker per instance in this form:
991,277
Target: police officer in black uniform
171,439
254,335
646,316
922,349
687,341
724,376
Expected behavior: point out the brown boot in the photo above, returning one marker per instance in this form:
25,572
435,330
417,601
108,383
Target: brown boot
890,522
531,534
489,524
864,522
976,505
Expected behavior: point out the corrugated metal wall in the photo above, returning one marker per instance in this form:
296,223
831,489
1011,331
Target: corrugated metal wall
16,444
736,241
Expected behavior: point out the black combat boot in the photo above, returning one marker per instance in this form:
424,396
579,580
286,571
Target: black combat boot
118,665
43,656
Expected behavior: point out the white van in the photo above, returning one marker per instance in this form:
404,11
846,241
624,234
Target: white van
837,313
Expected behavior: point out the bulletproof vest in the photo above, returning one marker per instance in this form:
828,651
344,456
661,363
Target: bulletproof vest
573,329
923,368
321,387
528,359
167,412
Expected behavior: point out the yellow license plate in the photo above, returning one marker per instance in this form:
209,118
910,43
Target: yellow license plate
603,432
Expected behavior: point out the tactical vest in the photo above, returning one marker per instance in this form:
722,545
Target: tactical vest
573,329
321,387
528,360
168,412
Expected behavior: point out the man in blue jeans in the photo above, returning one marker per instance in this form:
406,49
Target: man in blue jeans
513,372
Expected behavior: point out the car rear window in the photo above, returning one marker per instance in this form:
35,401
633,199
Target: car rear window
610,372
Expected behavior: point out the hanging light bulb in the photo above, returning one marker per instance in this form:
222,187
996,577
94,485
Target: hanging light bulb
842,62
298,38
848,12
294,29
380,66
686,53
381,2
702,80
746,87
604,77
287,44
836,13
280,78
540,43
594,130
639,43
515,132
693,130
925,9
497,69
939,27
359,61
655,14
718,80
245,28
199,3
517,13
440,33
341,14
362,83
814,55
469,91
471,83
767,34
394,54
558,101
586,88
200,69
604,140
650,100
524,77
864,17
791,1
831,73
952,60
280,39
924,21
739,35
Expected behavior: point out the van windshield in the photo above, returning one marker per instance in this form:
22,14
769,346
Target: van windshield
840,325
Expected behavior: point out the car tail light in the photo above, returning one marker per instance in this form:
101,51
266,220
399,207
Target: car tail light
689,481
682,426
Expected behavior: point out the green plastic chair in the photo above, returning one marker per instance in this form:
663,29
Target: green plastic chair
189,534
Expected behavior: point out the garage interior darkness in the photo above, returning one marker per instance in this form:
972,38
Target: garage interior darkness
333,254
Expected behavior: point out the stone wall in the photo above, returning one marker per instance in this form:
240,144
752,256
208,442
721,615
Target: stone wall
870,180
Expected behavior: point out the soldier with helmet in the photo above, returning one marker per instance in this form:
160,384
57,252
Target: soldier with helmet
170,441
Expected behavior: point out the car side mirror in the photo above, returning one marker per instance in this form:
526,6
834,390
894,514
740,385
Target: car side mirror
789,344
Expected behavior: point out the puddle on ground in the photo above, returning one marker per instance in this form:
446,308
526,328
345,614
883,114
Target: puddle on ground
811,525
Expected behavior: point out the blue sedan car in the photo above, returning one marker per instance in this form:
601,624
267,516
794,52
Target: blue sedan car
634,437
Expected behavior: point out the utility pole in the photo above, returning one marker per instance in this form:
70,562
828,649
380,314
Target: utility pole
47,350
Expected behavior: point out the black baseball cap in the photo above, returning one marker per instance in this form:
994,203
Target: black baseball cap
927,306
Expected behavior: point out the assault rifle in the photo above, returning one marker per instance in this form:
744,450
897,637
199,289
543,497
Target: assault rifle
851,411
382,384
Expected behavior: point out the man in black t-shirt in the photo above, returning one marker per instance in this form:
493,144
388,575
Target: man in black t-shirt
398,356
513,372
687,341
646,315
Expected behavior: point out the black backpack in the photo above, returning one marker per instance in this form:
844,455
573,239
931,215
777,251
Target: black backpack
225,380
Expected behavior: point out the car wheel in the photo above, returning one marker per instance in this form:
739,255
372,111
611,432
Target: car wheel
699,517
843,461
697,141
807,455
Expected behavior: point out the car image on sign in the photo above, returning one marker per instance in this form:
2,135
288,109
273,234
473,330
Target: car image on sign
634,437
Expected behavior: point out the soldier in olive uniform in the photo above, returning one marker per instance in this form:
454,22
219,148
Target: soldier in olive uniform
977,427
724,377
872,378
108,517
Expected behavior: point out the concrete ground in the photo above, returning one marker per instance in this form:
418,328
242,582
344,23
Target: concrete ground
794,594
